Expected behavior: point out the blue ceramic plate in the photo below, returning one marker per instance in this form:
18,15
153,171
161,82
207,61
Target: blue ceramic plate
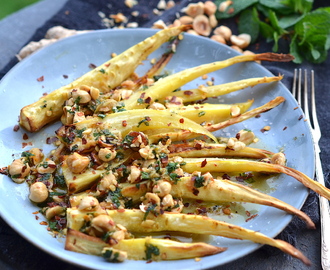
71,57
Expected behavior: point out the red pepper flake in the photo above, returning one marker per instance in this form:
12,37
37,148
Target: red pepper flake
65,76
285,128
262,130
195,191
121,210
188,93
169,124
25,136
37,217
43,223
36,212
26,144
148,118
107,65
16,128
203,164
83,141
124,123
295,108
181,120
258,116
300,117
231,10
74,178
147,100
41,79
51,140
198,146
251,217
93,172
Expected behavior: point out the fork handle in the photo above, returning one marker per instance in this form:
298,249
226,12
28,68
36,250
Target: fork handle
325,219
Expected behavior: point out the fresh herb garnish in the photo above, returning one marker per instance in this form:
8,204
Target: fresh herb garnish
307,31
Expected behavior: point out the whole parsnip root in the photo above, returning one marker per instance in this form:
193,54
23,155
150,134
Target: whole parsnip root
211,113
126,121
179,135
222,89
165,86
168,249
134,221
217,191
105,77
137,249
236,165
195,150
247,115
220,191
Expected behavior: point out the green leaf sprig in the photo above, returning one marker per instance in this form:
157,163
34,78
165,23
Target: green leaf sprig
307,30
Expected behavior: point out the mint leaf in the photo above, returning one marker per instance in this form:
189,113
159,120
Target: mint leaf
236,7
249,23
299,6
277,5
312,35
290,20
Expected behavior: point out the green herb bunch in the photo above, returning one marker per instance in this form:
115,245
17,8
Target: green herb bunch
307,30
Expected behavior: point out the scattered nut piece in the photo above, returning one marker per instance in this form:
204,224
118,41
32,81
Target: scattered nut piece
210,8
160,24
38,192
242,40
161,4
278,158
246,136
218,38
201,25
195,9
77,163
224,31
235,111
224,5
186,19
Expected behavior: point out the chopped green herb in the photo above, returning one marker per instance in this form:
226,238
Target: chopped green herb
151,250
201,113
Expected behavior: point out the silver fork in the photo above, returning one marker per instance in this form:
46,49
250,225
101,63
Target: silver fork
316,134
